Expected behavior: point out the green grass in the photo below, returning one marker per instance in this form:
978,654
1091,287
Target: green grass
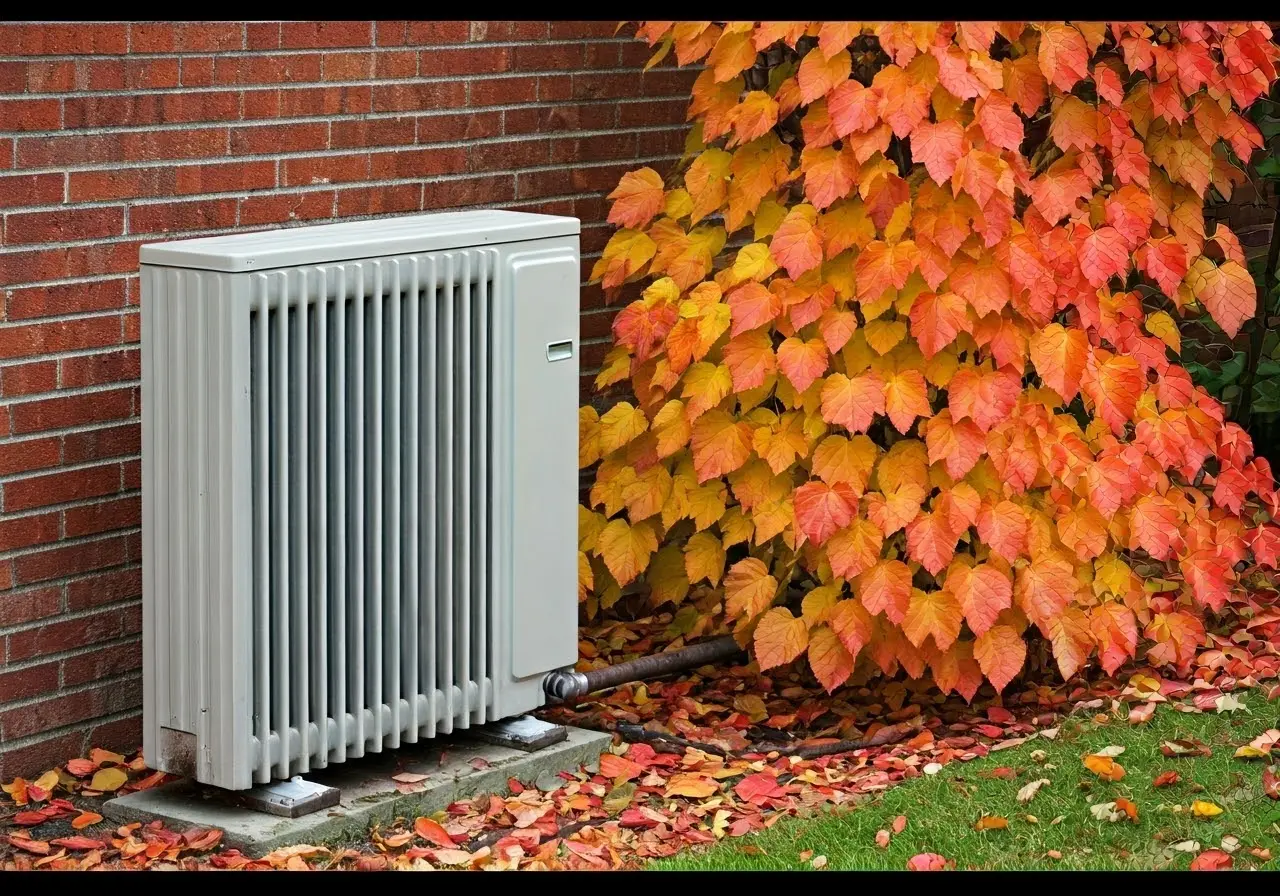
941,809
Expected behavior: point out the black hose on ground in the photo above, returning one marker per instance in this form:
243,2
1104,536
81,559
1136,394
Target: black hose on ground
567,684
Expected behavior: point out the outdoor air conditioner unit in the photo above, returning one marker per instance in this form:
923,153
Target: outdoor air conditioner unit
359,484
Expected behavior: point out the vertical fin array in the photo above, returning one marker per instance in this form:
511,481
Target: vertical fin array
370,427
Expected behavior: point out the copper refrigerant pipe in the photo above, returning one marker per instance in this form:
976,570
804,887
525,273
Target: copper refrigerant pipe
567,684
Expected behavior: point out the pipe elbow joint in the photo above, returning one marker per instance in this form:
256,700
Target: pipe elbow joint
563,684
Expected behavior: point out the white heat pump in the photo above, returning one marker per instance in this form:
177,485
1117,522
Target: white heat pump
359,463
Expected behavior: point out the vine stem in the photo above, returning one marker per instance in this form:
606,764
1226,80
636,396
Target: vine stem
1270,280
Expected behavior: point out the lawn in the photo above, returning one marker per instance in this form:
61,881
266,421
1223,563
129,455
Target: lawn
1056,828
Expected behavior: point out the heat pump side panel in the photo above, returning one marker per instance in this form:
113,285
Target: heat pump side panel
536,470
195,477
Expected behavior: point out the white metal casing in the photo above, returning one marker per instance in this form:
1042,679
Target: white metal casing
359,527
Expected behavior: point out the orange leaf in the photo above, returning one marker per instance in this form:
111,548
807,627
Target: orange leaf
853,403
935,613
721,444
1228,292
830,661
802,362
636,199
613,767
797,244
854,549
936,319
886,588
748,588
430,830
983,591
1104,767
818,74
906,397
779,638
821,509
84,819
1000,652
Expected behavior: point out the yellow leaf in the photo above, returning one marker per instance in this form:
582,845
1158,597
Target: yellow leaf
779,638
768,216
1160,325
108,779
753,262
1205,809
588,436
704,558
626,549
691,785
619,425
883,335
748,588
1104,767
666,576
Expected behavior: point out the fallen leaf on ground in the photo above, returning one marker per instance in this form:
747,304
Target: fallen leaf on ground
1128,808
108,779
818,863
1110,752
1271,781
1173,748
1212,860
1166,779
991,823
1104,767
899,824
431,830
1029,790
1230,843
1205,809
928,861
882,838
409,778
84,819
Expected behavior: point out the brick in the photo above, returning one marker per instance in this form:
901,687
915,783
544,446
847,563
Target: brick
28,379
605,85
604,55
28,605
13,77
660,143
25,531
347,66
121,735
34,759
29,455
43,414
276,138
102,588
185,37
379,200
297,69
100,444
434,33
262,35
30,189
104,516
508,154
463,61
504,91
131,324
106,110
105,662
56,637
131,480
580,30
397,64
508,30
604,147
543,57
63,225
56,563
484,190
6,576
37,339
646,113
6,153
70,708
324,169
419,97
411,163
281,208
29,682
107,367
307,35
559,119
65,298
555,88
60,487
363,132
167,217
130,183
307,101
464,126
64,39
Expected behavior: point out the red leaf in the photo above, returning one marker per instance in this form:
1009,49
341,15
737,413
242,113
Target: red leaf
431,831
1212,860
78,843
929,861
759,788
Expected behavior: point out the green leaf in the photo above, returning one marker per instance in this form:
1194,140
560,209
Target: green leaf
1270,166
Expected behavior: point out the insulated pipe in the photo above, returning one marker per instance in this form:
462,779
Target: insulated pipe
567,684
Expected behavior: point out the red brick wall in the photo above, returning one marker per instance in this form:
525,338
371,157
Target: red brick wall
113,135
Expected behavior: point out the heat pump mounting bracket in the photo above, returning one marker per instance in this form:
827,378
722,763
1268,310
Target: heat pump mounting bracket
523,733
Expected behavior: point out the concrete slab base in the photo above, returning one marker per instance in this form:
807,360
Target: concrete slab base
457,767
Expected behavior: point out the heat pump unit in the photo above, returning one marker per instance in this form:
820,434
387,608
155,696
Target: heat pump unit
359,463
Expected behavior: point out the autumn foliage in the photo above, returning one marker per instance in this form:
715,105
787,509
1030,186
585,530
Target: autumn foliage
906,346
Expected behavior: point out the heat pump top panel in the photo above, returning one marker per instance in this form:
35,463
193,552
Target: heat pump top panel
324,243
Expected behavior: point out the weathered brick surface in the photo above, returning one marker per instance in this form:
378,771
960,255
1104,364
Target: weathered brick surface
116,134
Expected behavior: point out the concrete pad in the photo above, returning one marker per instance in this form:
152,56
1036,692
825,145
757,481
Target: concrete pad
368,793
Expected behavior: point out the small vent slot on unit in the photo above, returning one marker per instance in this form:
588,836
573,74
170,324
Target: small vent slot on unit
370,403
